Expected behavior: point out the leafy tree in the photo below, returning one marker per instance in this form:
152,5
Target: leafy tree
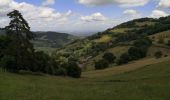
142,43
73,69
20,47
158,54
124,59
168,43
161,40
101,64
136,53
109,57
8,63
4,42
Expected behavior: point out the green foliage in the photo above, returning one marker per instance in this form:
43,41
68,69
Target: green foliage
168,43
109,57
101,64
161,40
73,69
158,54
124,59
17,52
136,53
9,63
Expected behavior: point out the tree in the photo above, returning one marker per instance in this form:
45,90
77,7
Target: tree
136,53
73,69
8,63
158,54
4,42
109,57
124,59
20,48
168,43
101,64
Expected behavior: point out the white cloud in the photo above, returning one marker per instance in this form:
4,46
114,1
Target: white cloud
164,4
94,17
4,2
158,14
39,17
48,2
132,14
123,3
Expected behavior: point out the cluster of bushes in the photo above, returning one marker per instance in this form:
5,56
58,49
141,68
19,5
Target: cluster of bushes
108,58
137,51
17,52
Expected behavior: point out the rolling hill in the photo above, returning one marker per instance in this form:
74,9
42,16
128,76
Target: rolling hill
49,41
140,82
92,48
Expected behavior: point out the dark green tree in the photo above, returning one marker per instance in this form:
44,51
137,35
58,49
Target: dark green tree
158,54
73,69
124,59
20,48
110,57
101,64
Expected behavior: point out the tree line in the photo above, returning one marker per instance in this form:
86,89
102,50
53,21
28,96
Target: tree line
17,52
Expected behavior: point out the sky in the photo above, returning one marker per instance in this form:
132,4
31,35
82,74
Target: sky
81,16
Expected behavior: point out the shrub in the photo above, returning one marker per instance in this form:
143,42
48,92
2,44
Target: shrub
136,53
168,43
161,41
124,59
8,63
101,64
109,57
158,54
73,69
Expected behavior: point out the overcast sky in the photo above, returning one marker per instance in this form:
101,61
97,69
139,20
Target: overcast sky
82,16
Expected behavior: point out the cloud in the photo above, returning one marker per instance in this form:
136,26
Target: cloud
122,3
48,2
158,14
39,17
164,4
132,13
4,2
94,17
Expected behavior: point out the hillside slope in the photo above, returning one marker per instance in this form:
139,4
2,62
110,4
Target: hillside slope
49,41
92,48
150,82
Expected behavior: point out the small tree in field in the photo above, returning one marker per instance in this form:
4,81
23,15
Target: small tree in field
158,54
109,57
124,59
73,69
168,43
101,64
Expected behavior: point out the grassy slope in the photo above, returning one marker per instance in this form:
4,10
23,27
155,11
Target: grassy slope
151,82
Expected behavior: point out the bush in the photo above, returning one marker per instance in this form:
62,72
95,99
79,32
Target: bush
143,43
109,57
168,43
136,53
158,54
101,64
124,59
73,69
161,41
8,63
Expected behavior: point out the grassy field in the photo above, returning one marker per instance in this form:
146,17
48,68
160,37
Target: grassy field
136,81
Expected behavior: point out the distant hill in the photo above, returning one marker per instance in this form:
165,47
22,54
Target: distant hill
49,40
52,39
117,39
